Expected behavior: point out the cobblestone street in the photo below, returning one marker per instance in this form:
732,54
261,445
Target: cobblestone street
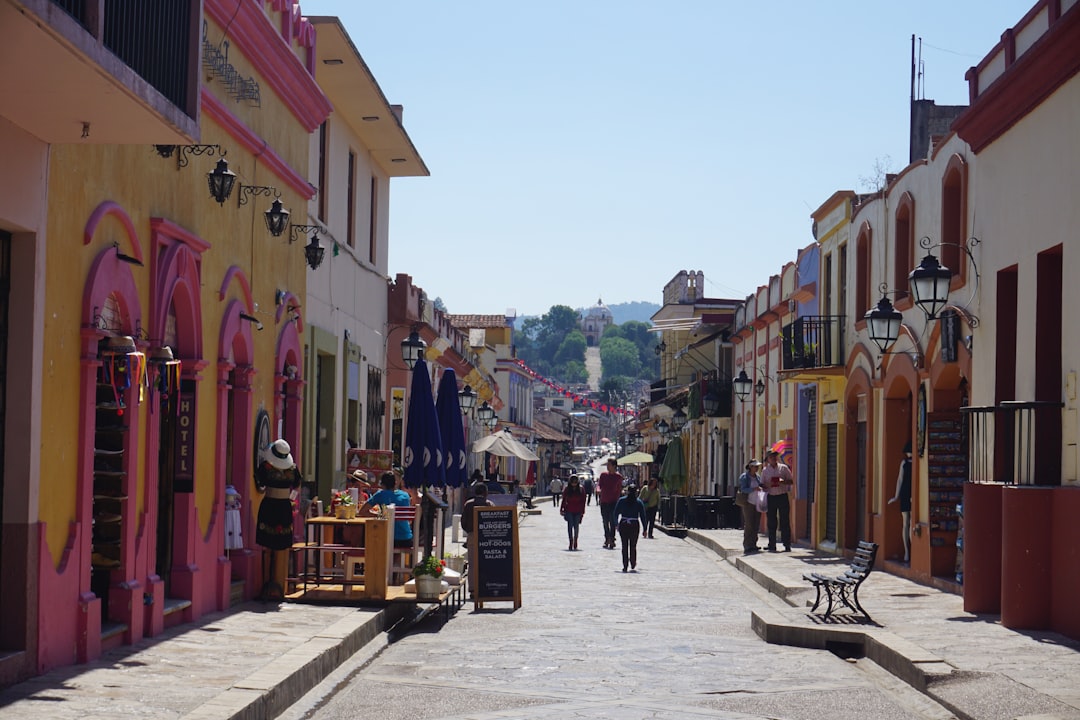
669,641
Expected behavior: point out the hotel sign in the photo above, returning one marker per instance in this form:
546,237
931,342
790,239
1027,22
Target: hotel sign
184,448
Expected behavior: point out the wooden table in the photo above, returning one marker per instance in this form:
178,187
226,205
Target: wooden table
375,546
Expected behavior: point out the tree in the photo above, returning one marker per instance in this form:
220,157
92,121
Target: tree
438,304
571,348
619,356
574,373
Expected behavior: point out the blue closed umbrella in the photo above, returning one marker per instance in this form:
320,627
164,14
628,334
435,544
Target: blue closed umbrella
448,408
423,440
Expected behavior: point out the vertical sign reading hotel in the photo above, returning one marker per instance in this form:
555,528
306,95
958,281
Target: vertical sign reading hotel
184,460
494,550
397,423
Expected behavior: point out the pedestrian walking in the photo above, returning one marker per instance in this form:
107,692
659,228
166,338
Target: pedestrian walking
589,487
611,486
650,498
777,479
573,510
555,488
903,496
468,515
748,482
629,515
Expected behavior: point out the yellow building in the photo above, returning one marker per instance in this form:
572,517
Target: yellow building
140,442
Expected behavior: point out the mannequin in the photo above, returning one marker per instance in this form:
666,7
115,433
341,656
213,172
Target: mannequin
903,496
277,476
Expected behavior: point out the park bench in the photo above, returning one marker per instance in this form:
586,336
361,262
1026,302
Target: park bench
845,586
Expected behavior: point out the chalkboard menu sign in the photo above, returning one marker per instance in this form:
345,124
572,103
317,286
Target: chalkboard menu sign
493,554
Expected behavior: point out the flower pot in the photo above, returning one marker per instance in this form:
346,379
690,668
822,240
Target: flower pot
346,512
428,587
457,564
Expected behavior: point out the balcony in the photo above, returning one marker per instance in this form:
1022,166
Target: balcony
1015,442
101,72
814,341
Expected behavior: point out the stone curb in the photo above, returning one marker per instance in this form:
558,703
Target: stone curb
900,657
272,689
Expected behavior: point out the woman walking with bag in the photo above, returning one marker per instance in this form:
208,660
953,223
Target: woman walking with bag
573,510
749,482
628,516
650,497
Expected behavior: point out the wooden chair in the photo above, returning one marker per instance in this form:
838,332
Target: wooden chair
404,558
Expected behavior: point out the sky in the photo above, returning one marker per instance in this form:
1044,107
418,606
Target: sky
591,149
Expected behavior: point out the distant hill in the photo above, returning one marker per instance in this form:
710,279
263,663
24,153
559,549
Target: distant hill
640,311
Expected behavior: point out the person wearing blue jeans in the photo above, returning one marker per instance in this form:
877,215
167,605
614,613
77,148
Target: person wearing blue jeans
573,510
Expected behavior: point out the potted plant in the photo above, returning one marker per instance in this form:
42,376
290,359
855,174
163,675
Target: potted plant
455,561
343,504
428,576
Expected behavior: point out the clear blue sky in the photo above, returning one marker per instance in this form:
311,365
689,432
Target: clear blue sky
594,148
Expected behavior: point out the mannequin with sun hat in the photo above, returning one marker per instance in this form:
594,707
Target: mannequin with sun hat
276,477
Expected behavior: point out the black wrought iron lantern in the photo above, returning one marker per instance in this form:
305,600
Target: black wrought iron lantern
711,402
663,429
467,398
883,324
221,181
485,413
412,348
678,420
277,218
314,252
742,385
930,285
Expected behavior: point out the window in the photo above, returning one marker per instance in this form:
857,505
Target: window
351,183
826,295
373,221
324,183
905,245
953,225
841,281
863,299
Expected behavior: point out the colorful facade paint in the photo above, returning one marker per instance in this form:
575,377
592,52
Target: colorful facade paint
139,449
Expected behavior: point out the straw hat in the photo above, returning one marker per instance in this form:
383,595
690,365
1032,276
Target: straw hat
120,345
359,476
279,455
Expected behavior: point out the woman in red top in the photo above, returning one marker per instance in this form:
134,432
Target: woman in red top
573,509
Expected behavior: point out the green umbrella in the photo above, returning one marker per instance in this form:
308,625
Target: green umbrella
673,469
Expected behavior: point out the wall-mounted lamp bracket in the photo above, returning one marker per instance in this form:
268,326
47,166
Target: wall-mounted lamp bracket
183,151
126,258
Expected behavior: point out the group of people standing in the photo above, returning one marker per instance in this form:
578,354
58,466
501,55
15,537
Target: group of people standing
626,514
774,481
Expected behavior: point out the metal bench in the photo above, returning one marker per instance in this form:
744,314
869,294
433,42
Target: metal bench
845,586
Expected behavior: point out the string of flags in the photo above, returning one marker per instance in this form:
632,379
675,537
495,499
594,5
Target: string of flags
578,399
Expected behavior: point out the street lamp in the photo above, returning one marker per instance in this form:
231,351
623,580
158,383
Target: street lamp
759,388
663,429
493,421
467,399
678,420
742,385
883,323
412,348
660,349
485,413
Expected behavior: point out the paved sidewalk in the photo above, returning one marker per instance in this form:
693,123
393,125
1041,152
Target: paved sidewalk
252,661
969,663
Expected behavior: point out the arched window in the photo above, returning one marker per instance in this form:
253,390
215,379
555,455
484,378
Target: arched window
953,218
904,248
863,299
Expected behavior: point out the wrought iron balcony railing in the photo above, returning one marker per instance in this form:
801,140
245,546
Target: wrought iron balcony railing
814,341
152,37
1015,442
